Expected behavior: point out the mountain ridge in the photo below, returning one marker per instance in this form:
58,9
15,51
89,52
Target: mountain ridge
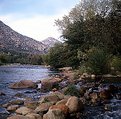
50,42
11,40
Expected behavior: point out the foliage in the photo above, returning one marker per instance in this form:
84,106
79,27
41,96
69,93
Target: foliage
45,59
84,68
61,55
92,23
55,58
22,58
98,61
115,63
72,90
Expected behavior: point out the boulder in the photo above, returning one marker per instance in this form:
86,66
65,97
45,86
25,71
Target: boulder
49,84
74,104
61,107
34,116
31,104
43,107
60,95
23,84
17,102
53,97
23,110
18,117
54,114
12,108
63,101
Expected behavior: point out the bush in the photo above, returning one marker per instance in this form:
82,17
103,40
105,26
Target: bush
72,90
84,68
98,61
115,63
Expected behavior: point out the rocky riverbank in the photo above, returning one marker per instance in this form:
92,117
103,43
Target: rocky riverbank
66,97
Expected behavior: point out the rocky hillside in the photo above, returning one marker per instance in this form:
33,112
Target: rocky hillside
12,41
50,42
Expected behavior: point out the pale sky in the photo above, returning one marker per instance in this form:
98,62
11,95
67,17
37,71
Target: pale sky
35,18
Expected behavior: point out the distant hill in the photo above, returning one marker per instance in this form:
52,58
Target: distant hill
11,41
50,42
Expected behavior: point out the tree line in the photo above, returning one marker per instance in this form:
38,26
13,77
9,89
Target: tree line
22,58
92,37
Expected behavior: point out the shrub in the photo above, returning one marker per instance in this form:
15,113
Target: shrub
85,69
98,61
115,63
72,90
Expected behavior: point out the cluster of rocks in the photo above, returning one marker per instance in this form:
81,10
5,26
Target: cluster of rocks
57,105
52,106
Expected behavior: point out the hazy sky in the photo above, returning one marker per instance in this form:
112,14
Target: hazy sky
35,18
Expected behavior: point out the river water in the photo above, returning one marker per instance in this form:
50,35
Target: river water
14,73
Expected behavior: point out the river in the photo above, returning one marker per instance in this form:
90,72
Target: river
14,73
